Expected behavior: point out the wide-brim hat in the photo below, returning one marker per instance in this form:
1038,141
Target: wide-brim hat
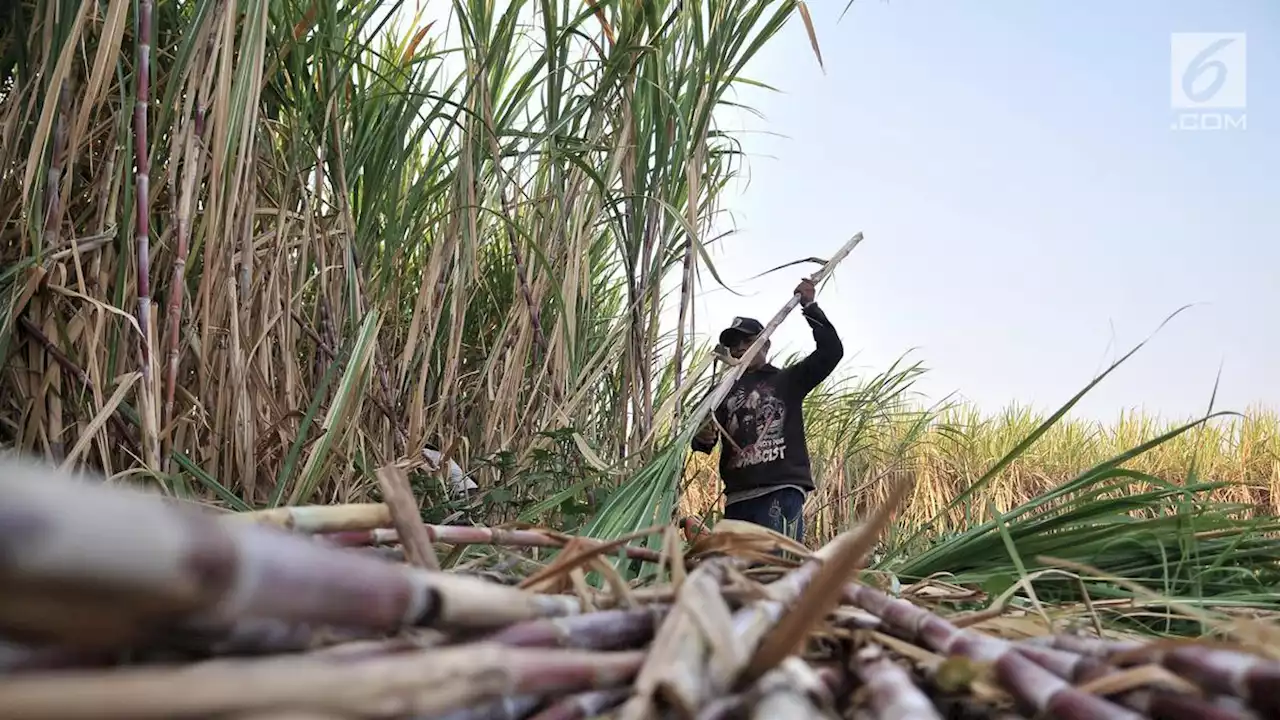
740,327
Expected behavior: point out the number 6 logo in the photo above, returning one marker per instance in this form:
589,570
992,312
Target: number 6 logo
1202,64
1207,70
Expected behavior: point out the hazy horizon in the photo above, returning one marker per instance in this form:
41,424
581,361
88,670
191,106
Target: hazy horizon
1030,213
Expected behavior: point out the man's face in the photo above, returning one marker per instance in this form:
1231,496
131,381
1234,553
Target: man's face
739,348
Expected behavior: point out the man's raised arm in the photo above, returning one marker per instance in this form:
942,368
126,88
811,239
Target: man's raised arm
815,368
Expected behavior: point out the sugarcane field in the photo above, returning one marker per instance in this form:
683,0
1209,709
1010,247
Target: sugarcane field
638,360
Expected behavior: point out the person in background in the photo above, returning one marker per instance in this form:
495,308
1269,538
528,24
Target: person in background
764,458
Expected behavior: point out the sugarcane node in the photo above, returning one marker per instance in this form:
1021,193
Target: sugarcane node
432,608
18,528
212,559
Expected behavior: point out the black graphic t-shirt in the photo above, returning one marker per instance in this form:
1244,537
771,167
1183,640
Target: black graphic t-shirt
765,443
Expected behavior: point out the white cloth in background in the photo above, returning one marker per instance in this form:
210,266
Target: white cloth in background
458,480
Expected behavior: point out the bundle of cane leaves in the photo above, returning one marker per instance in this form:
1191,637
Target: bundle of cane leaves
1180,545
647,499
1172,540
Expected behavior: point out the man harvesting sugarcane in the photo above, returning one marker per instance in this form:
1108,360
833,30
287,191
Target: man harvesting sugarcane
764,460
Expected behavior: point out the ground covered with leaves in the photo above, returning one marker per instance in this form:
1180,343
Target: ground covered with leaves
123,604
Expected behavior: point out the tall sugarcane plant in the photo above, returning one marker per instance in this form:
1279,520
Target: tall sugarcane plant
516,191
142,230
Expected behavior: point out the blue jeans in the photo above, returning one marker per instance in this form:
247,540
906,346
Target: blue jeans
781,510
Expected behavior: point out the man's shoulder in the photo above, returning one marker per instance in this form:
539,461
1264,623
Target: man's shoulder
787,376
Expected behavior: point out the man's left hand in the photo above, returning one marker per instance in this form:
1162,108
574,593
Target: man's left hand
707,433
806,291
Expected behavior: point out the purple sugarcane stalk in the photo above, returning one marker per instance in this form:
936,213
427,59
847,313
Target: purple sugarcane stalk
192,160
890,690
686,293
535,316
584,705
470,535
1223,672
1166,705
603,630
511,707
190,567
1254,679
16,659
142,201
1035,688
53,183
53,217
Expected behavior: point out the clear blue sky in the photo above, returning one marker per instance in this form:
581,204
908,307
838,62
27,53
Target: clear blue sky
1029,211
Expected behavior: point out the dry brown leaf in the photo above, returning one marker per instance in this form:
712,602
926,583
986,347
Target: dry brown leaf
588,549
557,576
739,538
813,35
1138,677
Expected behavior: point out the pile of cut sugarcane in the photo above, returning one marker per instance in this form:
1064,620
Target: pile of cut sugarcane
119,604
